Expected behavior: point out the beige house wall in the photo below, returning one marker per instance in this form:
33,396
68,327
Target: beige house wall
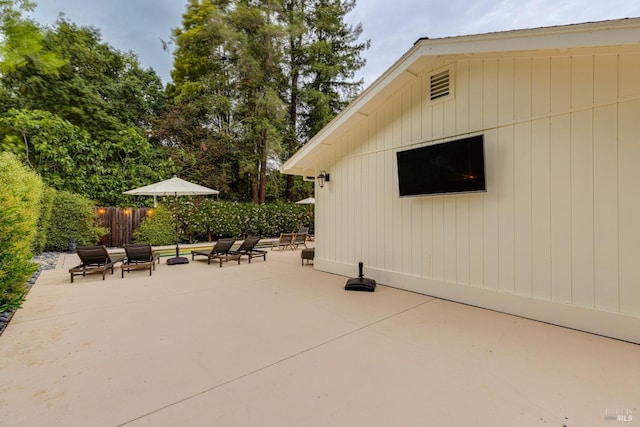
555,237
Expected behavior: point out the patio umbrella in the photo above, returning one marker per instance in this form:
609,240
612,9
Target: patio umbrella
173,187
307,201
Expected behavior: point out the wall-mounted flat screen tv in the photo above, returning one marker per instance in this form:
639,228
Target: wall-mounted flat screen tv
450,167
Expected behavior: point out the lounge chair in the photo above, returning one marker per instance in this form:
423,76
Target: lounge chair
303,230
221,251
299,239
247,249
284,241
94,259
139,257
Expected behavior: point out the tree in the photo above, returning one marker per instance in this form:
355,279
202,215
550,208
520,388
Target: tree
254,80
256,50
323,54
89,121
22,40
198,124
50,145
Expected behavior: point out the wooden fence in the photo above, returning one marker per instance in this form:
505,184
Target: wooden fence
121,223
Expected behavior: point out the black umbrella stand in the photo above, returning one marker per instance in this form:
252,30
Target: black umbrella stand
177,259
360,283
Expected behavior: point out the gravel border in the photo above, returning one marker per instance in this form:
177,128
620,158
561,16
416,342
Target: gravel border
45,261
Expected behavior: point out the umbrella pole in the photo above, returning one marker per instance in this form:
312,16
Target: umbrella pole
175,206
177,259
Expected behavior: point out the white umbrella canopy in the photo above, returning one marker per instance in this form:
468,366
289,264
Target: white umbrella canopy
307,201
173,187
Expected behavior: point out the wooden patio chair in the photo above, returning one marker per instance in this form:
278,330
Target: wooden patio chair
247,249
284,241
299,239
220,251
94,259
139,257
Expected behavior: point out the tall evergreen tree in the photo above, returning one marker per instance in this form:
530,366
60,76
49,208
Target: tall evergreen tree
324,54
257,52
198,125
257,78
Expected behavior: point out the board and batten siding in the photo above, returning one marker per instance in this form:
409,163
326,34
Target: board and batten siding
560,222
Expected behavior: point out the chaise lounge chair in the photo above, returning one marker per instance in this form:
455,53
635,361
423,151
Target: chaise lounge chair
247,249
221,250
94,259
139,257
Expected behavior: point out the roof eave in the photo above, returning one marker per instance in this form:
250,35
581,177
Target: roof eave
592,34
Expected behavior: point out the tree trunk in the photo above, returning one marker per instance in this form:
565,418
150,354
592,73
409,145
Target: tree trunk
254,190
263,167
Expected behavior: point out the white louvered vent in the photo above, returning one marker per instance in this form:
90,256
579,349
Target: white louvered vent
439,85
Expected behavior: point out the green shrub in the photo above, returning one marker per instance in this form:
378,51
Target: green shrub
72,217
234,219
46,207
19,212
157,229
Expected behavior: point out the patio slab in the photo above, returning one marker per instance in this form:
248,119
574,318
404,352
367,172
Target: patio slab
276,343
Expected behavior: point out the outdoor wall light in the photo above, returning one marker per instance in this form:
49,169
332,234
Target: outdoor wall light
324,176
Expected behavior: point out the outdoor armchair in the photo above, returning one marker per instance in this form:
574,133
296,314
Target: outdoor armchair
247,248
221,251
299,239
94,259
139,257
284,241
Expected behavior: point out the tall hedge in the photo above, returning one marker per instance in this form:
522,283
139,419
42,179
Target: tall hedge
237,219
20,193
72,217
201,219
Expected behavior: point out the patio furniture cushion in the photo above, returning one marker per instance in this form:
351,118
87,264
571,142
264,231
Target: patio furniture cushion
94,259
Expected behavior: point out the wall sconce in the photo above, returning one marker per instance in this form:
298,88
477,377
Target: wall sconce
324,176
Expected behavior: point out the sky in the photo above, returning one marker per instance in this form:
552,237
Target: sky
393,26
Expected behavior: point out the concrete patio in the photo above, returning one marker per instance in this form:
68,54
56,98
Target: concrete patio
279,344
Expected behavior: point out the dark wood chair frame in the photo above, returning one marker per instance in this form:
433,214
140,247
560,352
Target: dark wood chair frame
139,257
94,259
220,251
247,249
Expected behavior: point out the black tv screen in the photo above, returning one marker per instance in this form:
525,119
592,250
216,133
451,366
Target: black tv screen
449,167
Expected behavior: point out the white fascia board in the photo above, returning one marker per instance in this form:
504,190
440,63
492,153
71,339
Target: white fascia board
396,76
595,34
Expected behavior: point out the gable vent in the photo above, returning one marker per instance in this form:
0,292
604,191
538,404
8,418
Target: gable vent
439,85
